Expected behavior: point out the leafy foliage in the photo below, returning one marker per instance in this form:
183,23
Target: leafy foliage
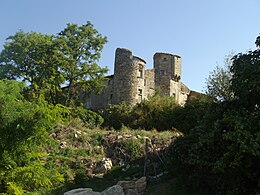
117,116
81,48
90,118
246,78
160,113
221,152
154,113
218,83
47,63
23,134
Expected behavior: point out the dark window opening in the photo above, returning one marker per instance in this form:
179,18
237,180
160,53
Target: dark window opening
140,73
140,95
110,98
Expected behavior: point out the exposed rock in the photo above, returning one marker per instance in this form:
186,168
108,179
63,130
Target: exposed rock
132,192
53,135
82,191
127,135
140,184
126,185
103,166
113,190
63,144
133,187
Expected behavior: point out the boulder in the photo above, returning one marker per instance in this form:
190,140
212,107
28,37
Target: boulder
126,185
140,184
133,187
113,190
82,191
132,192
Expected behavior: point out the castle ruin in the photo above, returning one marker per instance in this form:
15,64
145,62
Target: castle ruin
132,82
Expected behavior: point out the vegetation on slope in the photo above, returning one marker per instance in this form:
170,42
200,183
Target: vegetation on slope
47,137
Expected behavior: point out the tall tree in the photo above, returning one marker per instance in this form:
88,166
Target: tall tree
81,47
51,65
257,42
218,83
246,77
35,59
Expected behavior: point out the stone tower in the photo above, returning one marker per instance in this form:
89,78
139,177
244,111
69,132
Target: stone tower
167,74
128,77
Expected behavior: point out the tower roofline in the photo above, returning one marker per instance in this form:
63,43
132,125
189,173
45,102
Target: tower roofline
163,53
141,59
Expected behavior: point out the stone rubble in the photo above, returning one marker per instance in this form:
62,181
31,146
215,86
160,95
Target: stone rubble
121,188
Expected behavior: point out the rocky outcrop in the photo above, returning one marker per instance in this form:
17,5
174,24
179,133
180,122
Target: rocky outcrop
122,188
134,187
114,190
82,191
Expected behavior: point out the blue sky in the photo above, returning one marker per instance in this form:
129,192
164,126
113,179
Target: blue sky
201,31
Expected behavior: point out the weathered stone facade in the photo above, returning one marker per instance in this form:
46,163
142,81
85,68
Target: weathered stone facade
132,82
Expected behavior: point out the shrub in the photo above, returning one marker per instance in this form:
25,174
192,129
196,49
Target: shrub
117,116
24,132
132,147
221,153
90,118
154,113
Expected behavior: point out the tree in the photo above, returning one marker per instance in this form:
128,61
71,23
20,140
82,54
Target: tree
81,47
221,152
24,133
55,67
257,42
218,83
33,58
246,77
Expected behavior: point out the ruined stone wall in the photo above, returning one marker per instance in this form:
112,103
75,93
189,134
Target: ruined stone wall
139,89
123,70
149,83
104,98
184,93
132,83
128,77
168,74
176,74
163,65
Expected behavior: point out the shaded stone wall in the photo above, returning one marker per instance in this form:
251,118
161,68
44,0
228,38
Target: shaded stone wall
104,98
128,77
124,71
163,65
149,83
168,74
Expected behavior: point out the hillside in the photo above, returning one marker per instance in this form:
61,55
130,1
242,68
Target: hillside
99,158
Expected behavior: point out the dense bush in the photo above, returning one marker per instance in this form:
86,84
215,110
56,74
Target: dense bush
160,113
221,152
156,112
90,118
187,117
23,133
117,116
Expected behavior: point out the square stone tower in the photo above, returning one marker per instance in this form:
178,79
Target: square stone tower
167,74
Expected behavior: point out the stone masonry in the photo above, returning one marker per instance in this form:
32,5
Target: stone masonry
132,82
